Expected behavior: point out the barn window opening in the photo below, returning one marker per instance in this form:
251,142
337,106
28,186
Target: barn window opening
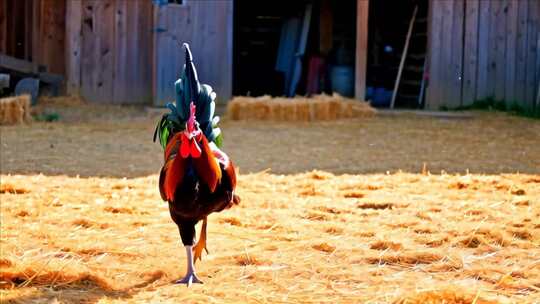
387,35
306,47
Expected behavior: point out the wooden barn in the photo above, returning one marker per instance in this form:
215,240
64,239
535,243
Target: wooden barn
412,54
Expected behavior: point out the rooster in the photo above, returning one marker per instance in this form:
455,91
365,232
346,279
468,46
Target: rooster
197,178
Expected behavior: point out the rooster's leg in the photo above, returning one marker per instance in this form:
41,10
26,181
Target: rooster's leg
201,244
190,277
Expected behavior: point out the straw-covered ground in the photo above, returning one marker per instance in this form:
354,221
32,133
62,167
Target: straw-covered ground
302,236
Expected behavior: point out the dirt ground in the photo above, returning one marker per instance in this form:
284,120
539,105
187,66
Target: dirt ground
92,229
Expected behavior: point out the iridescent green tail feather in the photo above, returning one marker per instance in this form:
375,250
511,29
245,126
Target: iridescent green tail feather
188,89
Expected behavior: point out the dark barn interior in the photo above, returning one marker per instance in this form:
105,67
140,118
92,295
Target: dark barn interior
267,36
387,34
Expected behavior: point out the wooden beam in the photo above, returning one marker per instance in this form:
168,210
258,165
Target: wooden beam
15,64
3,27
470,52
362,12
73,46
434,53
511,45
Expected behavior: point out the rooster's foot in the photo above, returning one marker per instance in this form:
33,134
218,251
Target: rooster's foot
189,279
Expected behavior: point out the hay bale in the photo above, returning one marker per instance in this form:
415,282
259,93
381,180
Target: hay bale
15,110
319,107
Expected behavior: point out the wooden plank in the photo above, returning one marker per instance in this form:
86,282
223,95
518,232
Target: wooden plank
433,91
447,47
537,107
470,60
73,46
362,13
3,27
16,64
492,47
52,35
144,57
500,48
456,69
403,57
36,30
28,24
521,52
121,64
511,60
484,22
89,50
532,51
105,28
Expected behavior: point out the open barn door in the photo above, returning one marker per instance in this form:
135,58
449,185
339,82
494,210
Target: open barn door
208,27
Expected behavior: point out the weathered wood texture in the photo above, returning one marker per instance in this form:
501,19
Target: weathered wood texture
479,49
207,26
362,13
109,46
34,30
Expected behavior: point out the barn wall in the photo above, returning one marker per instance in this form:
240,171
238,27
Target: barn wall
33,30
207,27
109,50
479,49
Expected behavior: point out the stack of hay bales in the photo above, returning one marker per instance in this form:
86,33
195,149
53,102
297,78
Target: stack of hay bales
316,108
15,110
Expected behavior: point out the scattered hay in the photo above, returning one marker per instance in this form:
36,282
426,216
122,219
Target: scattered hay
406,259
248,259
353,194
118,210
518,192
324,247
450,296
376,206
385,245
231,221
269,243
319,107
15,110
39,277
8,188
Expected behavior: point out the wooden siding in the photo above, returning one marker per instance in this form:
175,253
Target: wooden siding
362,13
34,30
479,49
207,27
109,50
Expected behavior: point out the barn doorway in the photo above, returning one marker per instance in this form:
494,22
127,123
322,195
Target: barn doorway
267,38
388,25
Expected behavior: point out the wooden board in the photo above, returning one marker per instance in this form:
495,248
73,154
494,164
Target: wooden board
532,51
362,12
456,68
3,27
521,52
207,27
484,22
511,42
73,46
52,29
434,89
499,61
470,52
447,47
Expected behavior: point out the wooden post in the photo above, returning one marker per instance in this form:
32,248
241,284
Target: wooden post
362,11
73,46
403,57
